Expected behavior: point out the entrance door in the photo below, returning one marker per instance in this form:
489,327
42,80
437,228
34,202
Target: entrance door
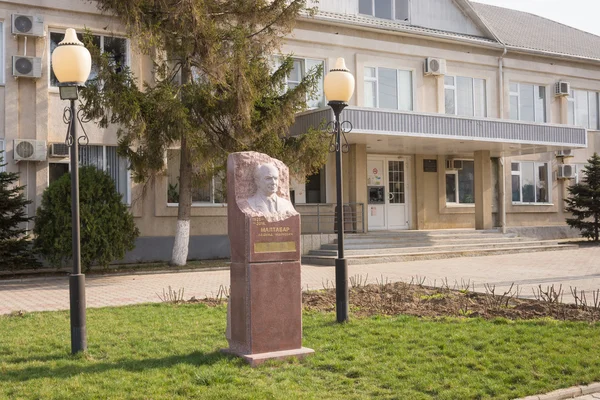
387,193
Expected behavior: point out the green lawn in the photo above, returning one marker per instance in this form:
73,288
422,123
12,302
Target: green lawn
165,351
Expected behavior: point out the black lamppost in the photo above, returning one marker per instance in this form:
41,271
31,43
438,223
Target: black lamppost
72,63
339,87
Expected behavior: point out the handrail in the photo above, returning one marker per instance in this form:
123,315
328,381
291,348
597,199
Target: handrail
321,217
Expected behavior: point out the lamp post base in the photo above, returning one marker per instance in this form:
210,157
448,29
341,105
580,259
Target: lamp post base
341,289
78,328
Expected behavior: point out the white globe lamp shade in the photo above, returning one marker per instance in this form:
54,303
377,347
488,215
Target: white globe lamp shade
71,61
339,82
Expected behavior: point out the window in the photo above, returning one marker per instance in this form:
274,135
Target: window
465,96
104,158
315,187
116,47
212,192
388,88
303,66
387,9
459,183
579,172
527,102
583,108
530,182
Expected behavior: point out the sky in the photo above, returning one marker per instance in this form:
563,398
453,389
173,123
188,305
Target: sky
580,14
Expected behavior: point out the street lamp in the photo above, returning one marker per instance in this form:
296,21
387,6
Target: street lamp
339,86
72,63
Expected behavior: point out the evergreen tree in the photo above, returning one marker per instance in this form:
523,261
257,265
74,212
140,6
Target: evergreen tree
215,90
15,252
584,201
107,227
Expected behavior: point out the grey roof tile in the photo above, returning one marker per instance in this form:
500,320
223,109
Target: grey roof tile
529,31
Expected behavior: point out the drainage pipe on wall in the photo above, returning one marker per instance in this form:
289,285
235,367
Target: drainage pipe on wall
502,194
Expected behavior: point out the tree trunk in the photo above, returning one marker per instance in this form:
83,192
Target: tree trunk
182,232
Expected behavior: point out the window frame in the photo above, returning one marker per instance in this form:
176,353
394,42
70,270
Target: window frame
454,88
126,196
519,173
578,168
572,99
375,80
100,35
194,203
517,94
454,172
277,62
393,8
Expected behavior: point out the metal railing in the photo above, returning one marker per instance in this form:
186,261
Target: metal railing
321,217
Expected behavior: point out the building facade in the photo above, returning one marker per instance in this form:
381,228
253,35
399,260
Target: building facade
464,116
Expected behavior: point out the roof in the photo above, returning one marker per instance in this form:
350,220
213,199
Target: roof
531,32
395,26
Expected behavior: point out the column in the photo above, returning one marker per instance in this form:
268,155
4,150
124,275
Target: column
483,190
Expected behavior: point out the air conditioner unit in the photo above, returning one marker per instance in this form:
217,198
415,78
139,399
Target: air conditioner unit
27,25
27,67
564,153
59,150
562,88
435,66
30,150
566,171
452,164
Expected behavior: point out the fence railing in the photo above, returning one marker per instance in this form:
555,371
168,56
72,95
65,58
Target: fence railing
322,217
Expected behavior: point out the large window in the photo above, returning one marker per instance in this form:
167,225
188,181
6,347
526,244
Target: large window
104,158
465,96
530,182
387,9
583,108
302,67
388,88
459,182
211,192
527,102
116,47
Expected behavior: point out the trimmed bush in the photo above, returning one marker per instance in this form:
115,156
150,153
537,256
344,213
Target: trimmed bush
107,227
15,252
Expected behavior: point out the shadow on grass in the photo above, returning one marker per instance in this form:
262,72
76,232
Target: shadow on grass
66,371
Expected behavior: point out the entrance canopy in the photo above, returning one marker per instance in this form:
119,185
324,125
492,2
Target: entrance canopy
389,131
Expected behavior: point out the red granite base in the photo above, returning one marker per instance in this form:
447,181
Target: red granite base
257,359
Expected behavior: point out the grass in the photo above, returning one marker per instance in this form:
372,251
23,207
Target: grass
165,351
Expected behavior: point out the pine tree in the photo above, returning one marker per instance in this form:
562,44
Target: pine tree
215,90
584,201
15,252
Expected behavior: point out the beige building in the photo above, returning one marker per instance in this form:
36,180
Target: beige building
464,116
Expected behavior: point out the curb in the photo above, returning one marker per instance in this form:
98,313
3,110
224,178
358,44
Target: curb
569,393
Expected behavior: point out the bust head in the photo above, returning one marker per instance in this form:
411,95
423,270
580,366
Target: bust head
266,177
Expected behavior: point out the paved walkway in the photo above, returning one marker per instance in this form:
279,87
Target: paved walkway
578,268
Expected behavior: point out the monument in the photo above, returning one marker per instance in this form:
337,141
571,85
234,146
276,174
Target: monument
264,316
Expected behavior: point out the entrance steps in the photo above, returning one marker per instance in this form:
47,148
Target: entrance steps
393,246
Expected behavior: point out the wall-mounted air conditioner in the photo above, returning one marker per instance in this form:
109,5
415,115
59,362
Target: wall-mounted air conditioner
453,165
566,171
562,88
30,150
27,25
435,66
60,150
564,153
27,67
